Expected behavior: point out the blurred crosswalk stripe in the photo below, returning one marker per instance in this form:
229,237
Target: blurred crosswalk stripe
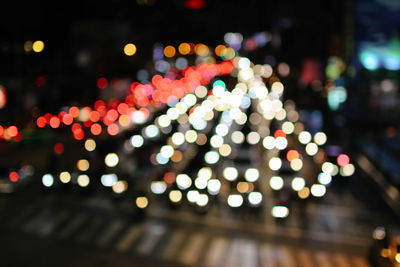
127,239
304,258
286,257
248,253
152,235
71,227
267,256
322,259
47,227
192,249
341,260
111,231
242,253
173,244
22,216
31,224
233,254
360,262
90,229
216,251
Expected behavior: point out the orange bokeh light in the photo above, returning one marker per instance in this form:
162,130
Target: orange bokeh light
41,122
113,129
12,131
184,48
279,133
74,111
169,51
54,122
95,129
292,154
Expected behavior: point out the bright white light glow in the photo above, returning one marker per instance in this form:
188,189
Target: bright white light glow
304,137
211,157
48,180
202,200
192,196
275,163
137,140
324,178
235,200
83,180
213,186
111,160
183,181
158,187
251,174
255,198
298,183
109,180
318,190
280,211
230,173
276,182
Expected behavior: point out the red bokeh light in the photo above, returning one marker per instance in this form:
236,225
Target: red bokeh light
102,83
195,4
123,108
79,134
40,81
18,137
95,129
68,119
3,97
343,160
54,122
13,176
169,177
94,116
113,129
41,122
74,111
112,115
76,127
12,131
59,148
279,133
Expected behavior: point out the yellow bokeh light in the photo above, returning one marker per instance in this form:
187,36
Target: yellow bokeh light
201,50
142,202
397,258
304,193
175,196
225,150
83,180
65,177
184,48
191,136
124,120
82,165
38,46
130,49
90,144
219,50
120,186
228,53
169,51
